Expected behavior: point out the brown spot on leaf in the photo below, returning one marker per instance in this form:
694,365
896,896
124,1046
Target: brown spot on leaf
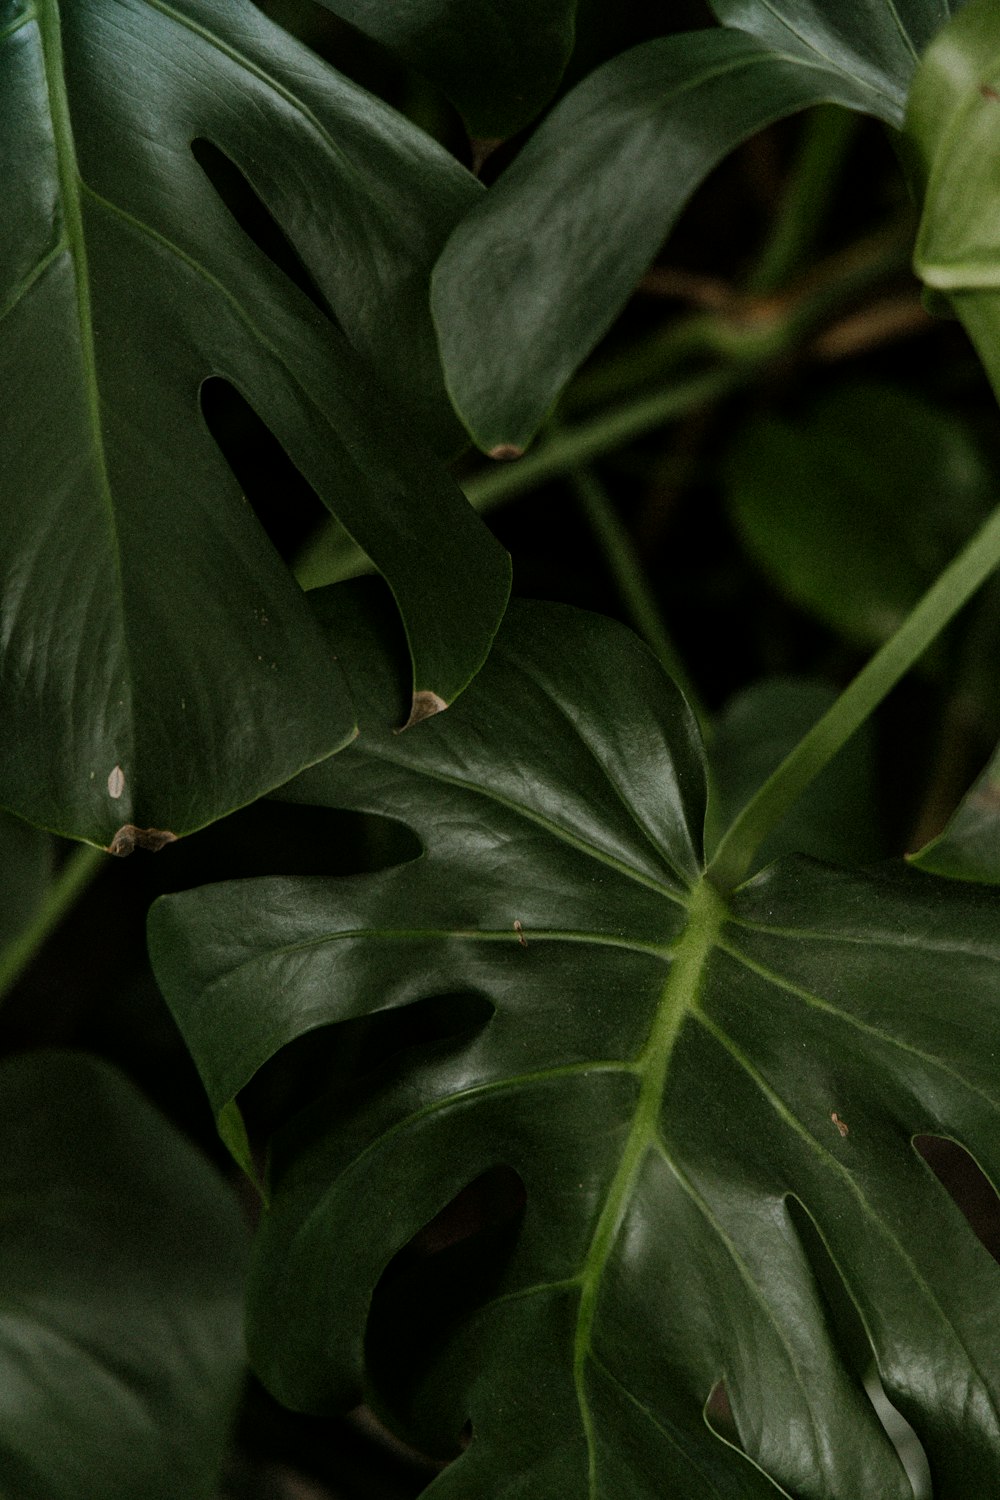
989,93
840,1124
425,706
505,453
129,838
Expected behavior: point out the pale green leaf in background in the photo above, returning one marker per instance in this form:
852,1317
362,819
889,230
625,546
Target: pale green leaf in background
854,504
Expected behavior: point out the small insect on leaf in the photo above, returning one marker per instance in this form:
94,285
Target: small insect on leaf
840,1124
520,935
116,783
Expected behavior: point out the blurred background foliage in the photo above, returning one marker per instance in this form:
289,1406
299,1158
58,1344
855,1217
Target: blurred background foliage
761,468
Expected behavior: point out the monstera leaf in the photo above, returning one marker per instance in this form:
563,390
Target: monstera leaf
159,667
477,53
121,1273
536,273
710,1102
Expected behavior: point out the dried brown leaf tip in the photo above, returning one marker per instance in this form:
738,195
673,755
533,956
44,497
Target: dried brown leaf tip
425,706
506,453
129,838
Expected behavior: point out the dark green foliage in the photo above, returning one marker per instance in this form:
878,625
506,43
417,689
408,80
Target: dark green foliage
617,1109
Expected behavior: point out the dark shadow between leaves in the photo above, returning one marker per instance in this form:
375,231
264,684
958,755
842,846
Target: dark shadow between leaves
284,502
256,220
337,1064
966,1184
448,1270
849,1338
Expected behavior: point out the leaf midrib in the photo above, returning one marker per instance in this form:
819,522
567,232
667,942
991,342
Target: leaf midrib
678,998
50,33
70,199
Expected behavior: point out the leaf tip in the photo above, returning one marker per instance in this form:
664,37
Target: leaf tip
506,452
425,706
129,838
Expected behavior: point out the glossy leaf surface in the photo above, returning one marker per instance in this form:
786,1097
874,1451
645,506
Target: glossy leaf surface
121,1266
536,273
497,63
159,665
684,1086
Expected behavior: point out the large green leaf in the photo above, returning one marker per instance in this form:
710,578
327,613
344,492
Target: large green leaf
498,63
536,273
711,1104
159,665
121,1271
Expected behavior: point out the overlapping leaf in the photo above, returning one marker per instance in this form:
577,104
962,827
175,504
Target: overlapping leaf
499,64
878,42
710,1104
121,1271
535,275
159,666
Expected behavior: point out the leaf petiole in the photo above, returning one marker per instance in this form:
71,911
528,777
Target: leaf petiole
942,601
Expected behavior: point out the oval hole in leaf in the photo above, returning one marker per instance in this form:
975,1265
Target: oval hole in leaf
852,1343
450,1268
271,838
966,1184
256,220
285,504
338,1061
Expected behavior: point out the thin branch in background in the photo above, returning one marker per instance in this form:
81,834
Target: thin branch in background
707,292
879,323
812,187
79,869
625,566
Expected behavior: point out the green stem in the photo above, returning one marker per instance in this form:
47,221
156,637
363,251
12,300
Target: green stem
333,556
75,875
629,575
813,184
953,589
736,349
